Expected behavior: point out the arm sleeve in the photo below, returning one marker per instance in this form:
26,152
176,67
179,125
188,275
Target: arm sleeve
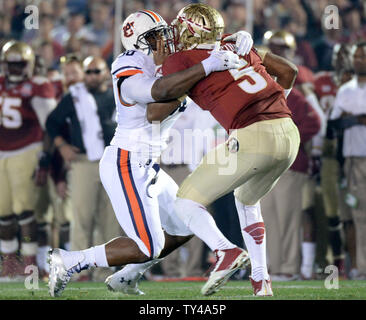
57,118
137,89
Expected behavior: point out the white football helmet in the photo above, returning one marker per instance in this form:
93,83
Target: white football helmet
140,30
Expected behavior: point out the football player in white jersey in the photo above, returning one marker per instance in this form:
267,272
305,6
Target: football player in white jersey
142,195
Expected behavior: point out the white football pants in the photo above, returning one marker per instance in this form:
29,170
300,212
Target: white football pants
143,208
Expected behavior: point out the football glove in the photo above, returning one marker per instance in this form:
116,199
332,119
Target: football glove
220,60
243,42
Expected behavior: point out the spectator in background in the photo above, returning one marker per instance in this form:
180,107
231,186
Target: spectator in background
74,27
45,50
324,45
282,213
60,11
235,17
350,101
93,219
44,35
100,25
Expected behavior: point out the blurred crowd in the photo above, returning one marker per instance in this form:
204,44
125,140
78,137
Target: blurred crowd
72,30
87,27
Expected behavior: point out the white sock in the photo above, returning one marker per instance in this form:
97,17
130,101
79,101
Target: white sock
29,248
200,222
253,231
42,258
9,246
67,246
135,268
308,258
92,257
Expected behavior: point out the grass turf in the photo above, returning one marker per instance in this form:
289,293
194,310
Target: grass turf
233,290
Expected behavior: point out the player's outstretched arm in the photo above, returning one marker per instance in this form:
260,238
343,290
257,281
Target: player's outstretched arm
284,70
158,111
177,84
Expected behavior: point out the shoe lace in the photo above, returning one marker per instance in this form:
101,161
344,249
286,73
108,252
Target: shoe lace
78,268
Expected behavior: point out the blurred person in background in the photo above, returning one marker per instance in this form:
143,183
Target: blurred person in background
74,27
350,112
44,34
93,220
50,177
45,50
235,16
284,44
331,174
282,213
100,24
25,103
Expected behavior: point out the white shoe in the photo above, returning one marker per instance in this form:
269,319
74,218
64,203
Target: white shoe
262,288
125,282
227,263
59,275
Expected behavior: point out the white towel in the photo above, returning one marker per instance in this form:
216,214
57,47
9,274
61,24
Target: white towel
91,129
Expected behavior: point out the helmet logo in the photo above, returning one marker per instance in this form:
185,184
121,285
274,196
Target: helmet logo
127,29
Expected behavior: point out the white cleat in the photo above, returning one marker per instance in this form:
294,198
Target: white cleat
227,263
124,282
262,288
59,275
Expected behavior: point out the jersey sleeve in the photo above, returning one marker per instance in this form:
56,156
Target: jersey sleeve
133,83
137,89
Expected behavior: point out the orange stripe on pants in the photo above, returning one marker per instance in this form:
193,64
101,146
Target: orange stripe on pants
132,198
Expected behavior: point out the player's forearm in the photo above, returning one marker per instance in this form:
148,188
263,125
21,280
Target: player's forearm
284,70
177,84
159,111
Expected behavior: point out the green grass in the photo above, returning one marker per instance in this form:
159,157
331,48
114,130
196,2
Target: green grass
234,290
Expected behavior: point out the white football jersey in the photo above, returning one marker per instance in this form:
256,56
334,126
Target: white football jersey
133,75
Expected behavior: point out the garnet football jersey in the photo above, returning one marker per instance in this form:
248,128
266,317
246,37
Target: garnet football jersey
326,90
19,125
237,97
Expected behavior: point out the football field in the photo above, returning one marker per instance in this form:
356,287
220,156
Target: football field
234,290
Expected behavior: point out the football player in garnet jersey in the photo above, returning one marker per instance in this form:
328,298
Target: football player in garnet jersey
25,102
263,141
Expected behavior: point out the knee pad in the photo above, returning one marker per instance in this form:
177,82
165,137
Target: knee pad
26,217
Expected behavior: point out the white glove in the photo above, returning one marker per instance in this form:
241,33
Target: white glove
243,42
220,60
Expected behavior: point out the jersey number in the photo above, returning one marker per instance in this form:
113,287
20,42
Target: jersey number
10,116
252,82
